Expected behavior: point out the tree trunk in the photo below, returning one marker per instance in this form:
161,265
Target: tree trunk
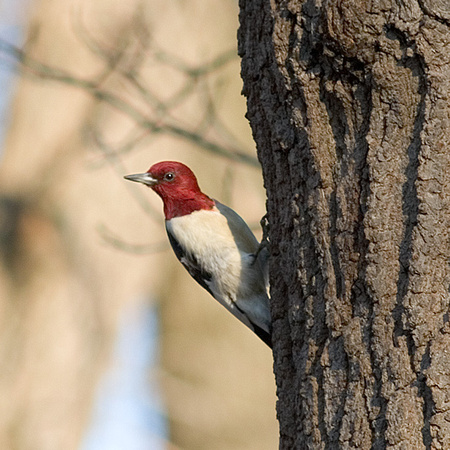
348,103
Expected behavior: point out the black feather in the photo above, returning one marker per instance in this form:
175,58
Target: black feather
203,277
262,334
190,264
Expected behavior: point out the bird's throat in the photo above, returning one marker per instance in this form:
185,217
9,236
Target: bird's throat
182,206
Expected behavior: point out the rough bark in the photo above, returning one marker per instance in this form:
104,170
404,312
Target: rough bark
348,103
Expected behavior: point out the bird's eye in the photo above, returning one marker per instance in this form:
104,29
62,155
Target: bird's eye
169,176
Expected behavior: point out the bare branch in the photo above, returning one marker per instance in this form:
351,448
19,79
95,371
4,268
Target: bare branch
95,89
139,249
114,158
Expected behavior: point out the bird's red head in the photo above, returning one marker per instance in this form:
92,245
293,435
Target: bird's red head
177,185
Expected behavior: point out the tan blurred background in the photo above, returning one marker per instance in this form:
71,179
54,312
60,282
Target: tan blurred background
108,88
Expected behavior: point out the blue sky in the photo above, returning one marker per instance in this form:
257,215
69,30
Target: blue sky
11,31
128,412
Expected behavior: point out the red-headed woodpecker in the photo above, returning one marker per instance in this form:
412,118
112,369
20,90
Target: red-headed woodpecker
214,244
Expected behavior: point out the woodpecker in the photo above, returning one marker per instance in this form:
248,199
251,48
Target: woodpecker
214,244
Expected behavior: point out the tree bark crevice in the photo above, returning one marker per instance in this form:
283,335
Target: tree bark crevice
348,105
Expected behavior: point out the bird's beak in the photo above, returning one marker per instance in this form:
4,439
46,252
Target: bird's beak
144,178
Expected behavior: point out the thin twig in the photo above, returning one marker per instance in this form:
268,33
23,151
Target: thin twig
45,71
140,249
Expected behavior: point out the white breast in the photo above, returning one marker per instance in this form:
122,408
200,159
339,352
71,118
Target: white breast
224,246
206,235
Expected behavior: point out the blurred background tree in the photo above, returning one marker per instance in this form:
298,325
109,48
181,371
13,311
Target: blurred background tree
108,88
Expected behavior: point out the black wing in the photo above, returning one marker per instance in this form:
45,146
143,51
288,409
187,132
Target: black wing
203,277
190,264
264,335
